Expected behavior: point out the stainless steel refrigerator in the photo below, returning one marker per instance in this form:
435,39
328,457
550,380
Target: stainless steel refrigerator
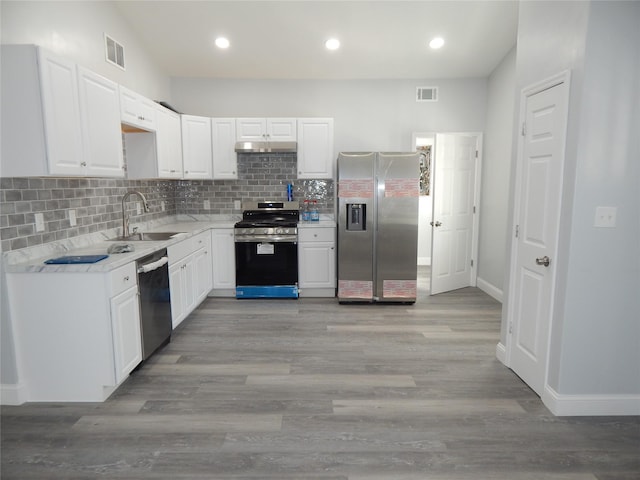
378,226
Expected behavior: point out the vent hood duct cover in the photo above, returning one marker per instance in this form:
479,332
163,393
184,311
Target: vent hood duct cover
266,147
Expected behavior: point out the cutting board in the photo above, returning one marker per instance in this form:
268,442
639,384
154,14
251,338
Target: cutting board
69,259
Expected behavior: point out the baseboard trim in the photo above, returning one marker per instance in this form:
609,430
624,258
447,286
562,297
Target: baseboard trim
489,289
13,394
501,353
590,405
424,261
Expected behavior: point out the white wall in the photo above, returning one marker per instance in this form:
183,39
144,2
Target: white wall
75,30
368,114
496,171
595,333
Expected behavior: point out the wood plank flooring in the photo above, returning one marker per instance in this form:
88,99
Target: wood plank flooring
312,390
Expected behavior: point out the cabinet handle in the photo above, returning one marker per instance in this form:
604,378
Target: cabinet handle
83,164
126,279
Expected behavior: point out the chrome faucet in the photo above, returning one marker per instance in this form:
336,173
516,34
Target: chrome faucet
125,216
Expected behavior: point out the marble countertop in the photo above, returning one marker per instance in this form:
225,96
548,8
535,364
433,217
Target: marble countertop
31,260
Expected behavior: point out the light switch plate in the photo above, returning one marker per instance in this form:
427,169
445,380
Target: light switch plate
162,206
605,217
73,221
207,204
39,217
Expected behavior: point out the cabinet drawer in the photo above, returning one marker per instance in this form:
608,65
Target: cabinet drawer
316,234
178,251
202,240
123,278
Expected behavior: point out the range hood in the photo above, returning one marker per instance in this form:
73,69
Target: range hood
266,147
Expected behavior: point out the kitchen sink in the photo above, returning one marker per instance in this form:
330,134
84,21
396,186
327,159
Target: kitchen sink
147,236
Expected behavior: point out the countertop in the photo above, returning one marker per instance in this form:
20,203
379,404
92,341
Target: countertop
31,260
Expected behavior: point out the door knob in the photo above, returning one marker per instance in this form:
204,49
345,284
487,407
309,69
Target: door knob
543,261
437,224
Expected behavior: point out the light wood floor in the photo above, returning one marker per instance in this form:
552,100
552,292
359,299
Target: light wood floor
314,390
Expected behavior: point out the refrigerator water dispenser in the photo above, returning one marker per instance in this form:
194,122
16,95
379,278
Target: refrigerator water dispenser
356,216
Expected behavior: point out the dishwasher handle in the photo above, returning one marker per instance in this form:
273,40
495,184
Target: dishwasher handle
150,267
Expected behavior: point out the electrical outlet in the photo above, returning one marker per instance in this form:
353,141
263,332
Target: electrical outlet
162,206
207,205
138,208
605,217
39,222
237,205
73,221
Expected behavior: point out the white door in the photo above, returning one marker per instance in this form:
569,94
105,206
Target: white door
540,167
454,232
196,147
100,114
223,140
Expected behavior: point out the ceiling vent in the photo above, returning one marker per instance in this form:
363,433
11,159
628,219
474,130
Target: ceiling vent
114,52
426,94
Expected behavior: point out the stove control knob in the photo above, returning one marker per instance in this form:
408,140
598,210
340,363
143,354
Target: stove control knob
252,230
279,231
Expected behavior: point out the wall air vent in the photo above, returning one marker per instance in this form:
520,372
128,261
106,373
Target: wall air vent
114,52
426,94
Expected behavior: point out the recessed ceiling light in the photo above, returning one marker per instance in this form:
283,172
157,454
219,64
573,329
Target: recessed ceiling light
436,43
332,44
222,42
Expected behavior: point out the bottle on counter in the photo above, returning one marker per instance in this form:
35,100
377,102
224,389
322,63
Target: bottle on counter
314,214
306,211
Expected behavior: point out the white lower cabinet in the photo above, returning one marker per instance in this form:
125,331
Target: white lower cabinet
81,338
189,275
224,263
317,261
125,325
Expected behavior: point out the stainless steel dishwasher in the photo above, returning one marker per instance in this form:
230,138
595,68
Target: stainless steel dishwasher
155,301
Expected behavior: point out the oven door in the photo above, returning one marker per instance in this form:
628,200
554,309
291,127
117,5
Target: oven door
266,269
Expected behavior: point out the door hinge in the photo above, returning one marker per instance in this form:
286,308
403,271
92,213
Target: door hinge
524,129
517,230
474,209
510,327
476,153
472,262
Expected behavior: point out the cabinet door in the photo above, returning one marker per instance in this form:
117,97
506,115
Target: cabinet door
203,273
196,147
315,148
281,129
137,110
317,265
125,326
223,139
176,287
100,114
251,129
224,263
169,144
61,110
189,281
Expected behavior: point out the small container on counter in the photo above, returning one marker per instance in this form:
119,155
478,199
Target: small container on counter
314,214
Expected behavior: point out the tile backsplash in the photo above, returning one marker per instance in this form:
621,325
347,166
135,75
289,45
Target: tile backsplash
97,201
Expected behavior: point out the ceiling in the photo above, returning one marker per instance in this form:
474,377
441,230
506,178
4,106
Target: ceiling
285,39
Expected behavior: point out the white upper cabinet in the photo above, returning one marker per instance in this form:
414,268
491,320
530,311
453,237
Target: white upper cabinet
223,138
56,117
315,148
169,143
102,137
266,129
196,147
136,110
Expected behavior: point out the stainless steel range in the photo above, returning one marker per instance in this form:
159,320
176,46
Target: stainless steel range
266,244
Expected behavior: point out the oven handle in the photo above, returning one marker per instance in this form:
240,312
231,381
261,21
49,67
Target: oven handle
265,239
150,267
